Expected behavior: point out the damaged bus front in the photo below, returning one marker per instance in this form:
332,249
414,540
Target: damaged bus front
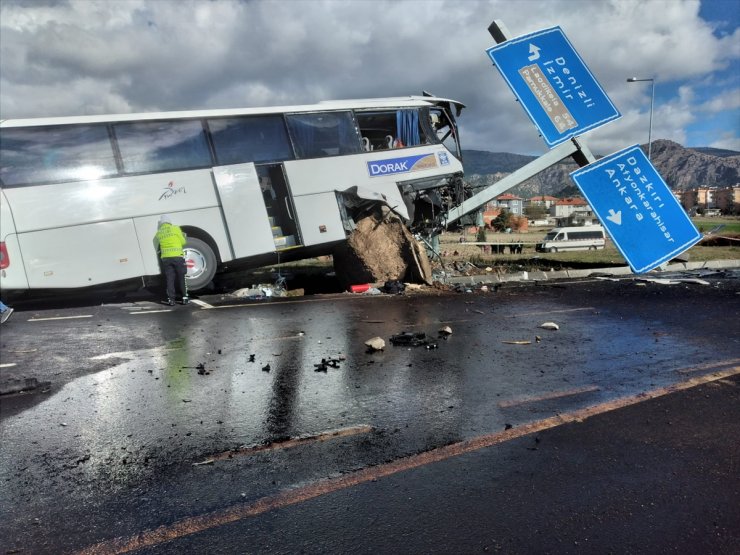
415,153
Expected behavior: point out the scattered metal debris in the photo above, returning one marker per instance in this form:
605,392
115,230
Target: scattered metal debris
325,364
394,287
549,326
673,281
520,342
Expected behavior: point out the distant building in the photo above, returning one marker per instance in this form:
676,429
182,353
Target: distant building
727,199
724,199
543,200
563,208
513,203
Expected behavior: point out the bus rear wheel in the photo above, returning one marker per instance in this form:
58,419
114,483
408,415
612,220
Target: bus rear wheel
201,264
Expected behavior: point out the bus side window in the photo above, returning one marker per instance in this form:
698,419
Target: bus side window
322,134
250,139
162,145
377,128
394,129
58,153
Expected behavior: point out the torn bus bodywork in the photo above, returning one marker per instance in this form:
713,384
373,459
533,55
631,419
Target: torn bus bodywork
382,229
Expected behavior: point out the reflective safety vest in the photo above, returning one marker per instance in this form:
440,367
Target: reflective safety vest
171,240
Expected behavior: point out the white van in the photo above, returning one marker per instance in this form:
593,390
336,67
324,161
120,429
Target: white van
587,237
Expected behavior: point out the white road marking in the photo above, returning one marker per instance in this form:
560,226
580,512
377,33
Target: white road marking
7,364
150,312
200,303
60,318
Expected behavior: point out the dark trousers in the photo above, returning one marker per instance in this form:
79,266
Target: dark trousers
174,272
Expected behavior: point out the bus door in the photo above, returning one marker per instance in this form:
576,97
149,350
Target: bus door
246,218
280,207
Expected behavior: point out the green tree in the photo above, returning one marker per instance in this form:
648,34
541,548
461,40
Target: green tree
502,221
535,211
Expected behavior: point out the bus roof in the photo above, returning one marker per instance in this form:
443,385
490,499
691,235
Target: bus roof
358,104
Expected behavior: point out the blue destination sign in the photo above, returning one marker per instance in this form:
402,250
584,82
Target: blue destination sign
406,164
637,208
553,84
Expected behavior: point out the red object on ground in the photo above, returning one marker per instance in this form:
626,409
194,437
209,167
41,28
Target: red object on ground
359,288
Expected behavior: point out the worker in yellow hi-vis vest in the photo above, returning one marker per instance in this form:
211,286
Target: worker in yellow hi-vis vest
170,241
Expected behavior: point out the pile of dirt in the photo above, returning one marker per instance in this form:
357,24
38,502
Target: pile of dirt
381,249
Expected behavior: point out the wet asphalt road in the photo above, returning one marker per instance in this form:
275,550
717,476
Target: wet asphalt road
139,396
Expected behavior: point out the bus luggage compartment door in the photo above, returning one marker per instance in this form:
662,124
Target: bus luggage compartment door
244,209
67,258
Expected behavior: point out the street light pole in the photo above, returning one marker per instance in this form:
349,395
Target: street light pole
652,103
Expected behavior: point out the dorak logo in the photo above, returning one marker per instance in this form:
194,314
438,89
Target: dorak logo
401,165
170,191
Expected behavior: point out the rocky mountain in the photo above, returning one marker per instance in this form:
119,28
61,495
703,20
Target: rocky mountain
682,168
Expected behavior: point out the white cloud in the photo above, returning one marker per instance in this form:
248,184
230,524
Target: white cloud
726,100
727,141
83,56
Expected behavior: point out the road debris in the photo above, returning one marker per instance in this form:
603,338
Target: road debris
203,463
518,342
445,331
549,326
325,364
409,339
394,287
375,344
266,367
672,281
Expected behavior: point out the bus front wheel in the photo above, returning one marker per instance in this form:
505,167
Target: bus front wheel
553,249
201,264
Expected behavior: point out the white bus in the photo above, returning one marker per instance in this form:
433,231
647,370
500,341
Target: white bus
587,237
80,197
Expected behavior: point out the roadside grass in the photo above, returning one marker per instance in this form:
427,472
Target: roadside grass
730,224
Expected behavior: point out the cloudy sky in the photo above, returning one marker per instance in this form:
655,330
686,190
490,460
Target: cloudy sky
71,57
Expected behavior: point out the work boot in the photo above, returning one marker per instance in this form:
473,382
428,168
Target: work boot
168,302
185,300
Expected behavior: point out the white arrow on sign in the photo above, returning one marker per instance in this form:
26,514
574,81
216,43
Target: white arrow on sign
534,52
615,217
